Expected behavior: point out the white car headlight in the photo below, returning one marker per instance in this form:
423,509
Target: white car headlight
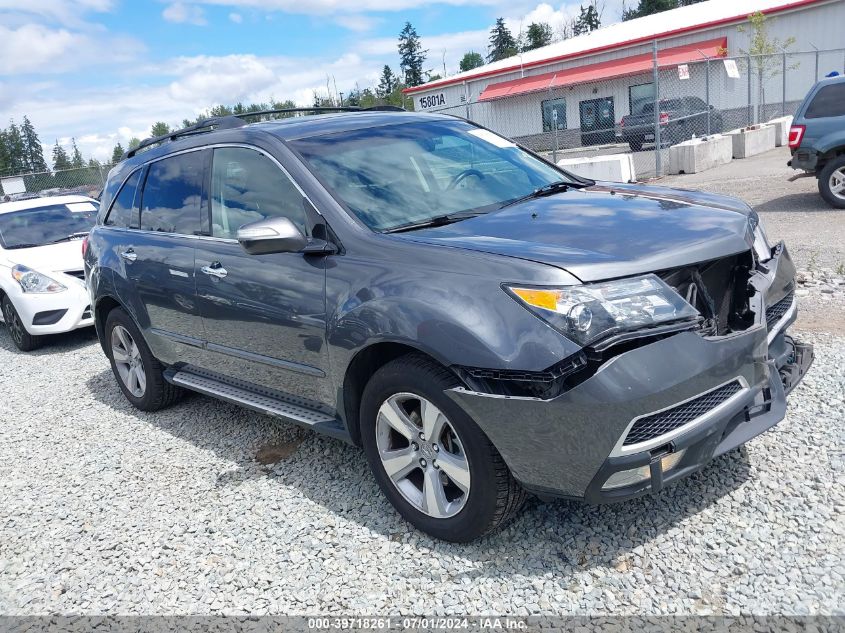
590,312
34,282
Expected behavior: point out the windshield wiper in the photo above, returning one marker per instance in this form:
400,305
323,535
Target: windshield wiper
546,190
438,220
13,246
72,236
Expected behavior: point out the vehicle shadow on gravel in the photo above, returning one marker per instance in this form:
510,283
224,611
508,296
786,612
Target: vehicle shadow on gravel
563,536
52,343
795,203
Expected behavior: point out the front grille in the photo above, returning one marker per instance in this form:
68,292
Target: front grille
79,274
657,424
775,312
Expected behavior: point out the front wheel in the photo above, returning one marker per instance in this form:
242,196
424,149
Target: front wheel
22,339
430,459
832,182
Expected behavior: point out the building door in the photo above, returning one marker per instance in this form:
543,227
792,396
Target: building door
597,121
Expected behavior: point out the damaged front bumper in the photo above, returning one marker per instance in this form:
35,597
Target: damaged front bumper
655,413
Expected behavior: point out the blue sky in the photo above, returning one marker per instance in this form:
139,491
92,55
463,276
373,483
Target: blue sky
105,70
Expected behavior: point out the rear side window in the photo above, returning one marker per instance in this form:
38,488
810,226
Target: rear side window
829,101
172,195
122,211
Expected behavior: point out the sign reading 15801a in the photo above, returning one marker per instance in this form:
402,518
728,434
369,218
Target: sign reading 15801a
432,101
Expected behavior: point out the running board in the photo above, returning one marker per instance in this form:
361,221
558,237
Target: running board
258,399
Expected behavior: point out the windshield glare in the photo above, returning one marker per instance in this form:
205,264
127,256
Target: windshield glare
403,174
46,225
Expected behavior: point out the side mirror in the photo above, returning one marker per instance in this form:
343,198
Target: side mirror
273,235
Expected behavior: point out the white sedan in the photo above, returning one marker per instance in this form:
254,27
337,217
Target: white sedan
42,282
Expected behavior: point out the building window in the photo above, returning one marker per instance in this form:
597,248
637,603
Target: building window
554,114
638,96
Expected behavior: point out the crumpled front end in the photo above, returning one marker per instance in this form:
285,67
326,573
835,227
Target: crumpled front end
627,417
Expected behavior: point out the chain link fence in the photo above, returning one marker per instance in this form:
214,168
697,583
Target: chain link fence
87,181
647,112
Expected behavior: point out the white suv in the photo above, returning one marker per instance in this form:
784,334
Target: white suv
42,283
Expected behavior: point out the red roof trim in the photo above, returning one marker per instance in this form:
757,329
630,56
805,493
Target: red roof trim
608,69
609,47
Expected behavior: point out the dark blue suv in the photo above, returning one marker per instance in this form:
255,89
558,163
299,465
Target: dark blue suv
483,323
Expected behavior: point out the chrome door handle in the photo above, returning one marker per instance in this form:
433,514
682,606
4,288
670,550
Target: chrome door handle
129,255
215,271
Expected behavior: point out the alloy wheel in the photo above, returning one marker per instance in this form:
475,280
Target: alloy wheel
128,361
422,455
837,183
13,322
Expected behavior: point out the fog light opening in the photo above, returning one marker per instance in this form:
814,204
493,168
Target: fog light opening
633,476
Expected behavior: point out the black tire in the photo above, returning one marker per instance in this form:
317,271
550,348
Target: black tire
158,393
22,339
494,496
636,146
825,174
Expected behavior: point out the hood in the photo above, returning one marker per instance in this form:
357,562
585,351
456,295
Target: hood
606,231
60,257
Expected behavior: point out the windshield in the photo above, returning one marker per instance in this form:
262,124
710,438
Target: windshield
46,225
396,175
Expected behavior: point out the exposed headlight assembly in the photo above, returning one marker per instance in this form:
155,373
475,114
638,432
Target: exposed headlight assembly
34,282
590,312
762,248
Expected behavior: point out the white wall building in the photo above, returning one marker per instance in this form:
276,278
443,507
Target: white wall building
591,81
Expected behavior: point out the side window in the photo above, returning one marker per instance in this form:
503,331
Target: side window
123,210
829,101
247,186
172,194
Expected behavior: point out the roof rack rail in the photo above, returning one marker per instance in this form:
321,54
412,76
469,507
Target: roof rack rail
235,121
217,122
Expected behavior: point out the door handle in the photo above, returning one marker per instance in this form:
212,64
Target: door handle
215,270
129,255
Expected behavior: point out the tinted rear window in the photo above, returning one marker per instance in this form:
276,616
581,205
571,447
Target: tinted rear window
122,211
829,101
172,194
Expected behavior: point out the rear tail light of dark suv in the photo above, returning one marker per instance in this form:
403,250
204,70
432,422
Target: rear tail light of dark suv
796,133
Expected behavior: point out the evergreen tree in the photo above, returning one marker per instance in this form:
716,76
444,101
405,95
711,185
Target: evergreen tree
60,158
411,56
16,149
76,159
387,83
117,153
502,42
32,145
5,157
471,60
134,142
161,128
588,20
539,34
649,7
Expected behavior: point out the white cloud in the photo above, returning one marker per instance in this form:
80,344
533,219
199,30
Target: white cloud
182,13
237,18
65,12
51,50
324,7
358,23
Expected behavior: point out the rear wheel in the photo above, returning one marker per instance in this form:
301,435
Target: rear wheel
832,182
429,458
139,375
22,339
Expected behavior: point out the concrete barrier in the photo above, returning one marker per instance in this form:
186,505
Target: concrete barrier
751,141
613,167
781,125
698,154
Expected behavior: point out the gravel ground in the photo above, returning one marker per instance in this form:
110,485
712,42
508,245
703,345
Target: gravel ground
109,510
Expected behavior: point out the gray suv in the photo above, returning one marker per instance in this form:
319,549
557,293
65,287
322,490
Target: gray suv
817,138
484,324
